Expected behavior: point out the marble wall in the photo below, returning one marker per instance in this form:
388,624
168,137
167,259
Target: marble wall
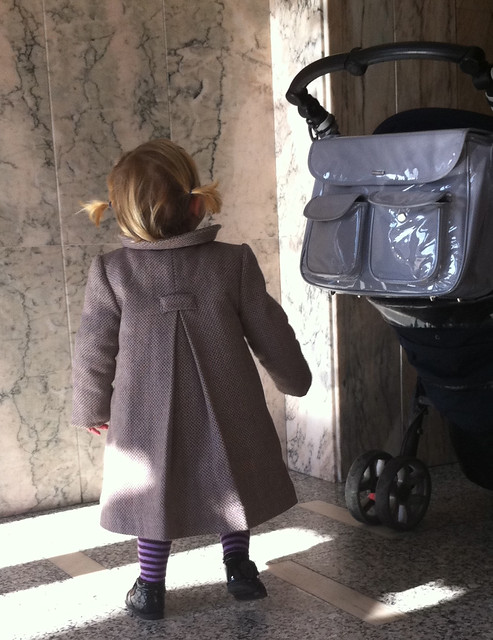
312,424
82,81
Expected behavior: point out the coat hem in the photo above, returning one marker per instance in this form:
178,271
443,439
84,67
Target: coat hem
194,532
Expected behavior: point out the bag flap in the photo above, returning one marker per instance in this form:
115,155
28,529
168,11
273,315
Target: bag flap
330,206
423,156
408,199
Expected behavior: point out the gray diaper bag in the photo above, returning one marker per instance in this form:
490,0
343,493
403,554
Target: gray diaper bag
402,215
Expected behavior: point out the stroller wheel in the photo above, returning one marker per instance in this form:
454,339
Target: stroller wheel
361,484
403,493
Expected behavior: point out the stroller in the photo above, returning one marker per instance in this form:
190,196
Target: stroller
404,219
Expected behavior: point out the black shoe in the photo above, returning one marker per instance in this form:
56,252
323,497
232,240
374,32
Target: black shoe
146,599
242,577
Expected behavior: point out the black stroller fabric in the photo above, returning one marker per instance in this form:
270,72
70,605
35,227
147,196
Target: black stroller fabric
455,368
434,118
450,344
455,358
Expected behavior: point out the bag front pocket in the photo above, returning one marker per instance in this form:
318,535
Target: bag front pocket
406,235
334,235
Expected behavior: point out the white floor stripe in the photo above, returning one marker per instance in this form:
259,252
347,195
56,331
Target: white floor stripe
336,594
342,515
76,564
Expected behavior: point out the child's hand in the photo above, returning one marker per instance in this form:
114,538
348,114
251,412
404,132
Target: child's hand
97,430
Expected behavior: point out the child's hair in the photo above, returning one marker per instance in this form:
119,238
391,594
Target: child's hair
151,189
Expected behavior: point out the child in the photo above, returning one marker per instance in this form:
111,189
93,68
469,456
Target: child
162,354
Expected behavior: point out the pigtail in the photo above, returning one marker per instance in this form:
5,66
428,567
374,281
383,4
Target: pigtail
95,210
210,196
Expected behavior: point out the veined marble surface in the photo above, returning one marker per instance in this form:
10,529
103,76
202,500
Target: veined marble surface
221,108
38,450
108,88
28,198
311,422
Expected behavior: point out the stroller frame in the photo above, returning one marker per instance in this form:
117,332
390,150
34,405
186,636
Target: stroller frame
381,489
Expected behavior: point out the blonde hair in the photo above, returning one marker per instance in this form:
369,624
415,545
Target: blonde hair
151,190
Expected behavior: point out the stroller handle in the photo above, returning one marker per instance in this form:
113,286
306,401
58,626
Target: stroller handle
471,60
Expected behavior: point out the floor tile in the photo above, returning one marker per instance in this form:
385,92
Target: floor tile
76,564
342,515
335,593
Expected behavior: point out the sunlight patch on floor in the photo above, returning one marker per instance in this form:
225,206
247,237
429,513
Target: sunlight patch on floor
424,596
43,536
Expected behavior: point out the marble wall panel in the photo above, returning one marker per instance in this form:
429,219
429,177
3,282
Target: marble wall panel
369,379
292,141
311,422
32,313
37,447
221,107
109,93
77,260
28,217
196,71
426,83
360,103
474,23
41,470
245,152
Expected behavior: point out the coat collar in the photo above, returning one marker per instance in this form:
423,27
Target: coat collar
199,236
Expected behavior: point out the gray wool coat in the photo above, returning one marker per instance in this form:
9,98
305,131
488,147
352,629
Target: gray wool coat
163,355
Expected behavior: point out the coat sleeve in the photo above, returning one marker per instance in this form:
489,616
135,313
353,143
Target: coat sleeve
96,348
268,332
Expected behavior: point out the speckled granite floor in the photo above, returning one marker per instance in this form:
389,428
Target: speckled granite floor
62,577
